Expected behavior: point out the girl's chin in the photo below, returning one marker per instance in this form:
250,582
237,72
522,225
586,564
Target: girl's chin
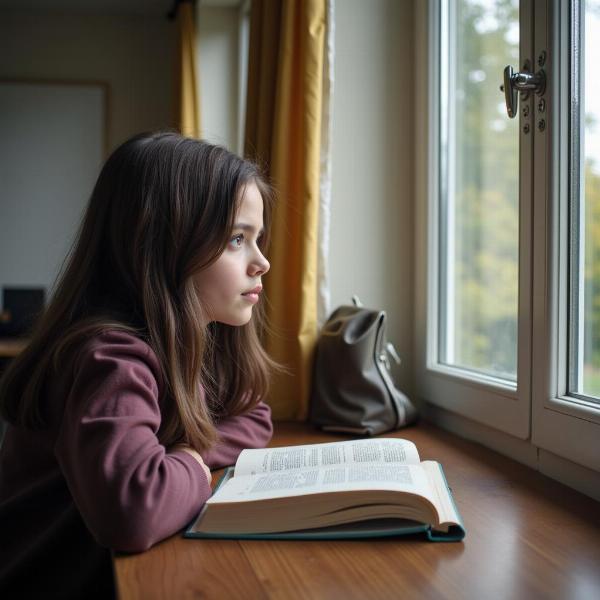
237,320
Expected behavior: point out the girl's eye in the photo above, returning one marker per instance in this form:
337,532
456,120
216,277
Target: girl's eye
236,240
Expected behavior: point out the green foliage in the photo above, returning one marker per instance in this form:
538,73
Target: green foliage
486,192
484,306
592,280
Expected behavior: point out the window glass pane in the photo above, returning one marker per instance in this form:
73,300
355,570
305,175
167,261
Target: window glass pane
479,189
589,330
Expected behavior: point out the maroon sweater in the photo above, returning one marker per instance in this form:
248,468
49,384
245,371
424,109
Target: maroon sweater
98,478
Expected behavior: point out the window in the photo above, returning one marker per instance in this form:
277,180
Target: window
479,197
478,342
512,323
584,374
566,411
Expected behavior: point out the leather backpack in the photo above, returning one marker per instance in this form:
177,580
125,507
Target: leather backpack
352,387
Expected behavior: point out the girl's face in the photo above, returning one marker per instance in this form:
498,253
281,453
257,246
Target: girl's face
224,287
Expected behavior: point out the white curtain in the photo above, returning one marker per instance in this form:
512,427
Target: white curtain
324,301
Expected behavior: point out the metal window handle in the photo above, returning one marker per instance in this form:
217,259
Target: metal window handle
520,82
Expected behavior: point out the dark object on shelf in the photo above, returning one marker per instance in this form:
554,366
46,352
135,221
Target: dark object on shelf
22,306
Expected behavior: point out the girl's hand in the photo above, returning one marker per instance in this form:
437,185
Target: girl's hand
195,455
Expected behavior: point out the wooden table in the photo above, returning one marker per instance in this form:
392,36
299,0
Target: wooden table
527,537
11,347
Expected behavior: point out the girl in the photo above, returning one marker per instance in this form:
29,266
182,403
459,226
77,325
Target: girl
145,371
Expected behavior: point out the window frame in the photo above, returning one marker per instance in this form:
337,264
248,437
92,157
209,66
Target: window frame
566,425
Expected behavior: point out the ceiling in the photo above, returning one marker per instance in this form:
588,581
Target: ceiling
103,7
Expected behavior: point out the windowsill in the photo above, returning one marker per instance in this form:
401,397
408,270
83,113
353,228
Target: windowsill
512,516
580,478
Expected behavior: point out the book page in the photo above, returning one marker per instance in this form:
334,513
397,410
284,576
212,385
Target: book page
379,451
443,501
338,478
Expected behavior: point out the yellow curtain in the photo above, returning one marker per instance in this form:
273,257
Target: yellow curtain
283,132
187,109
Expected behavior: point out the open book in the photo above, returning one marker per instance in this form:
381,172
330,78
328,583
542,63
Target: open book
359,488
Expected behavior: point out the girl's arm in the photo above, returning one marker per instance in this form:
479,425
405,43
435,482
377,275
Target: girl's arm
252,429
196,456
130,492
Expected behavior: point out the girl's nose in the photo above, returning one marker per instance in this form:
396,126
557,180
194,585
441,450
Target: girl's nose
260,266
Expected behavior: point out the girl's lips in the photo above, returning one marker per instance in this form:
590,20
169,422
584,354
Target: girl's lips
251,297
255,290
253,294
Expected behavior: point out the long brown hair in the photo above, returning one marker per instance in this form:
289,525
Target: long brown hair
163,208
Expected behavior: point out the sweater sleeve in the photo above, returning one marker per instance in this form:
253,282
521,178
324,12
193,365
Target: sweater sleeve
129,491
252,429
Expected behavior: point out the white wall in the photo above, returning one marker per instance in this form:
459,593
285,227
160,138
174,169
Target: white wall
218,66
133,56
51,148
372,152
